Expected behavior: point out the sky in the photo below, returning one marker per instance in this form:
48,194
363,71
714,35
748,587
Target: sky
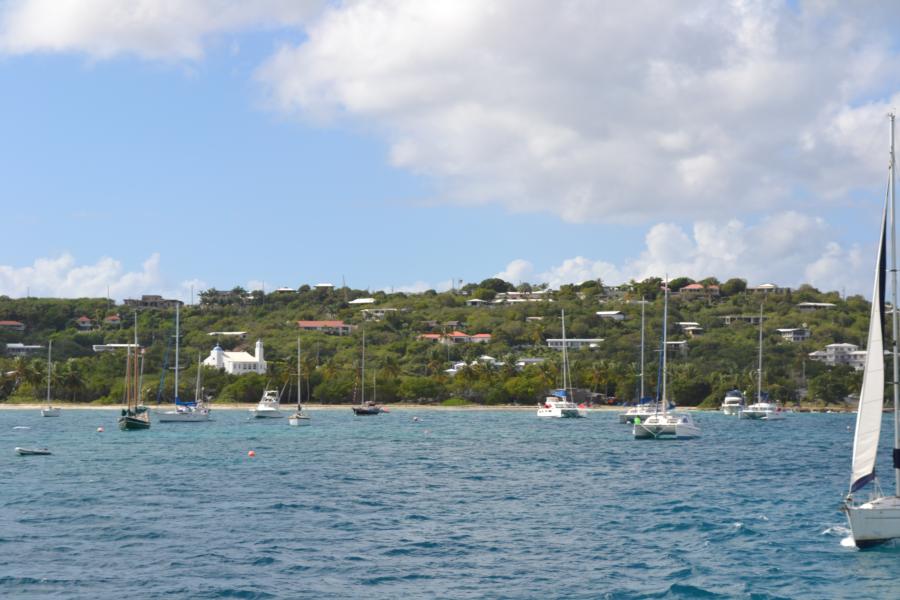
164,146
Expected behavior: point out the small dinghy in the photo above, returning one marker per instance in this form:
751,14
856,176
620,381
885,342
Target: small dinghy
32,451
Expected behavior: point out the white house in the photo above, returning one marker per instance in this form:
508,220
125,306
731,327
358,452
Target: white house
615,315
794,334
811,306
237,363
841,354
573,343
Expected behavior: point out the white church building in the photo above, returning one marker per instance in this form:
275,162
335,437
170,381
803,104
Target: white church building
237,363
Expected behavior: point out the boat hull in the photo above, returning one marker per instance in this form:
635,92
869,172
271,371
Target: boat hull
301,421
560,413
362,411
874,523
32,452
666,427
267,414
172,416
732,410
49,412
129,423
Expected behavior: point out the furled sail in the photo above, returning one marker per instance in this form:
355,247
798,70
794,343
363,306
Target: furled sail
871,397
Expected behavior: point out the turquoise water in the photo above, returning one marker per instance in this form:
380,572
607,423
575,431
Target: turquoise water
458,505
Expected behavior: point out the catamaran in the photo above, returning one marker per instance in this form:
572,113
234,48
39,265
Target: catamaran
762,409
877,520
49,410
299,418
662,423
645,406
189,411
559,403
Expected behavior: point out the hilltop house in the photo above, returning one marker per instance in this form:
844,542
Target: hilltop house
330,327
840,354
573,343
237,363
769,288
615,315
84,323
456,337
698,290
794,334
12,326
152,301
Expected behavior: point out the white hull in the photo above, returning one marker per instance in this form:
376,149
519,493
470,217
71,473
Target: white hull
668,426
173,416
643,413
559,413
731,409
762,412
874,522
267,413
50,412
301,421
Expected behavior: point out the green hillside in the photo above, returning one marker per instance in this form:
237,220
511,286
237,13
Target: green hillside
402,367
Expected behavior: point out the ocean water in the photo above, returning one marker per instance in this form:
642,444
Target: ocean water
462,504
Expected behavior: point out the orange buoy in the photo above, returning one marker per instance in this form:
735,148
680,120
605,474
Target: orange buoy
99,430
251,454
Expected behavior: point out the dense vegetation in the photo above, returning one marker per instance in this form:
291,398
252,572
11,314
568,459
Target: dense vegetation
401,367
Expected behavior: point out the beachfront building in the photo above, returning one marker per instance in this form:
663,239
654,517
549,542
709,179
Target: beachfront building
329,327
573,343
237,363
840,354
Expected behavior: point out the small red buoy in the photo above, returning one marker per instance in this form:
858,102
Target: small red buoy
251,454
99,430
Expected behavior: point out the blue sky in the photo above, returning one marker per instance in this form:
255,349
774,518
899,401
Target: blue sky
401,144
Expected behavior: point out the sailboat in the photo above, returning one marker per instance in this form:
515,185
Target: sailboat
762,409
133,416
370,408
49,410
662,423
299,418
645,406
877,520
559,404
190,411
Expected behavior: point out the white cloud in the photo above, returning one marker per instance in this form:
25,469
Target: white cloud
608,111
63,277
788,248
153,29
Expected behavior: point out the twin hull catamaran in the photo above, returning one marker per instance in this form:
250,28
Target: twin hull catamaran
664,424
877,520
559,404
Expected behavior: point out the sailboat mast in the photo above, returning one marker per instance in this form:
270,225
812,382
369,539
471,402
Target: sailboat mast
759,369
894,319
665,326
565,355
49,367
177,346
362,371
643,305
299,379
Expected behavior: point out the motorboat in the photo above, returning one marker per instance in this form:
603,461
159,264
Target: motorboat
733,404
269,405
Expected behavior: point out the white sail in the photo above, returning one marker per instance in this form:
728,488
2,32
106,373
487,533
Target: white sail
871,397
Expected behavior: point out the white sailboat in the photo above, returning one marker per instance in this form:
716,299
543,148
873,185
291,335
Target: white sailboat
664,424
877,520
559,404
645,407
49,410
762,409
192,411
299,418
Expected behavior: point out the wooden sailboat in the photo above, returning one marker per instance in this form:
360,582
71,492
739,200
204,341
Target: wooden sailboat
49,410
133,416
877,520
299,418
370,408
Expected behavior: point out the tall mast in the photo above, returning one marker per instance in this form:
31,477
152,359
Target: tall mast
299,380
894,320
643,305
362,372
565,356
759,370
663,400
49,367
177,345
134,363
